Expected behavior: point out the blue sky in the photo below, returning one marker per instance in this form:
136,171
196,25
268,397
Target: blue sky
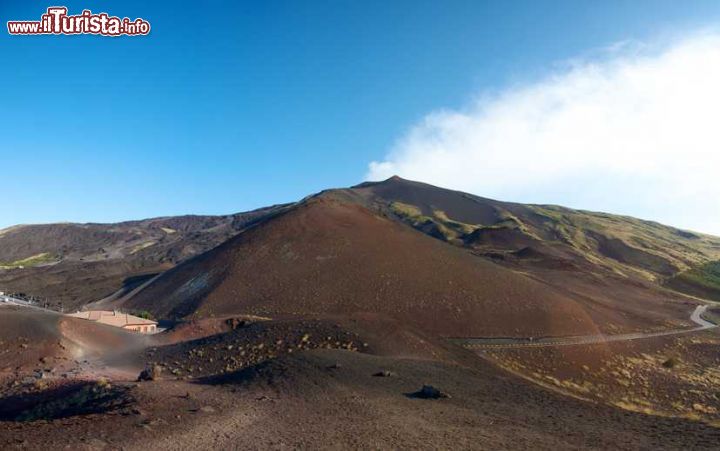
229,106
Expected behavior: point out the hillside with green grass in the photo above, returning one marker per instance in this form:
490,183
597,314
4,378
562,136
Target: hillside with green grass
597,242
30,262
79,263
703,281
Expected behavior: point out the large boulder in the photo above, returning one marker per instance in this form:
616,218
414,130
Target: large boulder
430,392
150,373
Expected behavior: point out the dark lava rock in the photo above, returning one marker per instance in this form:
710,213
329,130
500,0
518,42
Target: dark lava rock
236,323
429,392
150,373
384,373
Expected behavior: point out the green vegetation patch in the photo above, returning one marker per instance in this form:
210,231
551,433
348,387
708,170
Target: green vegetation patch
460,227
439,225
142,246
144,314
406,210
712,314
706,276
411,214
35,260
703,280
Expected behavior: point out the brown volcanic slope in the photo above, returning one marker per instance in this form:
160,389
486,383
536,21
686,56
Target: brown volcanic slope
626,246
614,263
356,253
31,338
74,264
330,255
557,271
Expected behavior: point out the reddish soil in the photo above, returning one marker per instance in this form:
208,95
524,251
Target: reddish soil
37,345
242,388
615,303
326,399
618,305
203,327
249,344
283,330
672,375
342,253
91,261
332,257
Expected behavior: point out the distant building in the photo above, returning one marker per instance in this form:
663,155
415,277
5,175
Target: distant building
121,320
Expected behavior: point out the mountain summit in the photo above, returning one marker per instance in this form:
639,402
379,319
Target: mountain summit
441,260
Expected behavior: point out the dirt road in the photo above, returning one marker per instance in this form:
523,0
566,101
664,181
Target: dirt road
495,343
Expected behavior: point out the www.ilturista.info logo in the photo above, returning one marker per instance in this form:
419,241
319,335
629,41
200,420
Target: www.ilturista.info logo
56,21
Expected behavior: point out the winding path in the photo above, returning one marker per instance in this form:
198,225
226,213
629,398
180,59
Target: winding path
501,343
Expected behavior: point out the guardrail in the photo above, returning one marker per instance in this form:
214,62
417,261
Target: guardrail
21,302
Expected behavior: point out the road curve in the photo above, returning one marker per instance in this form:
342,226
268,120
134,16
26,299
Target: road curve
502,343
697,318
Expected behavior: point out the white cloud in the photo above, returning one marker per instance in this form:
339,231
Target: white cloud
636,133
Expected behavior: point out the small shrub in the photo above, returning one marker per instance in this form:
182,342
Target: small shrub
670,363
144,314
